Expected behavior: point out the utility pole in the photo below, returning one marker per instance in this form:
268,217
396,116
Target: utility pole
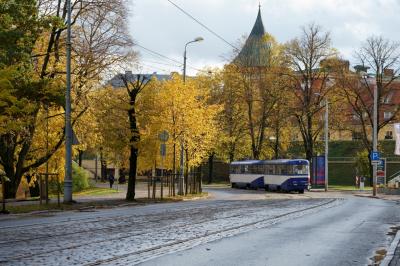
375,137
326,143
68,127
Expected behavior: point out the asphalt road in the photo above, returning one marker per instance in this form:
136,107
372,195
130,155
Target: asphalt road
348,234
233,227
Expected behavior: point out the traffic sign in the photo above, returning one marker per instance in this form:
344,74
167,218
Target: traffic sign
163,136
381,172
375,156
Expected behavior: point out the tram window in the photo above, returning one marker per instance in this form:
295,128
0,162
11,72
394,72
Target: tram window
290,170
236,169
271,169
254,169
278,169
250,169
264,169
260,169
283,169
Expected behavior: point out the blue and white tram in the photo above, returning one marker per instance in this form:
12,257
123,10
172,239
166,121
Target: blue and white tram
280,175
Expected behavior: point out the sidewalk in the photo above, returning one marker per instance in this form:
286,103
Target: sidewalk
88,202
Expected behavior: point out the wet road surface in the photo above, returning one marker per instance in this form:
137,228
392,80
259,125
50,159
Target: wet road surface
348,234
231,228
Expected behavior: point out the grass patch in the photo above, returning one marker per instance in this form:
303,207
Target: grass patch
96,191
37,207
348,188
27,208
218,184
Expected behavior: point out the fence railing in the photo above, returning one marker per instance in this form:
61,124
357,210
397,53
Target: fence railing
168,185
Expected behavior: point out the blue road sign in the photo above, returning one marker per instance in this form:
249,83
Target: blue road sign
375,156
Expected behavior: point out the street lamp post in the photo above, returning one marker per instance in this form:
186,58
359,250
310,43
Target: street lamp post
68,127
181,174
326,137
326,143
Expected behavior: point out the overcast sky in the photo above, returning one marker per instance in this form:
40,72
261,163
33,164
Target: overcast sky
159,26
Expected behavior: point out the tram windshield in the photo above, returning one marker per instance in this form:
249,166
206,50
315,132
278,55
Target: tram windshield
300,169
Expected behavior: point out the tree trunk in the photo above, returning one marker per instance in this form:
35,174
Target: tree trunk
80,155
130,194
103,167
276,144
11,187
210,168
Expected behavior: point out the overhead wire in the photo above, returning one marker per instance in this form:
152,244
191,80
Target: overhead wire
168,58
203,25
157,53
150,50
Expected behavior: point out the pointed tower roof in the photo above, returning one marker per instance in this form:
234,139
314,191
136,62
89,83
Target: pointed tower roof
258,28
255,49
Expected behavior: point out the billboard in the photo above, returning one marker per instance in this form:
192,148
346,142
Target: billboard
318,178
397,137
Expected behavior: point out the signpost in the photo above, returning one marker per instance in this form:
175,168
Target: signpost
163,137
381,172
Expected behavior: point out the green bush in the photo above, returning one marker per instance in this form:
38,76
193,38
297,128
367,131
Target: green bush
80,178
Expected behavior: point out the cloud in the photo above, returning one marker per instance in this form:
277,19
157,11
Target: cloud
158,25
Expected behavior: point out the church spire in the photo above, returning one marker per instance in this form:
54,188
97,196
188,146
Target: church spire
254,53
258,28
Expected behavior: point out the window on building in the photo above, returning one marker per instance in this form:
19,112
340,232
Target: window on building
387,98
389,135
387,115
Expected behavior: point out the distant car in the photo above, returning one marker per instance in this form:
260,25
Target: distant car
279,175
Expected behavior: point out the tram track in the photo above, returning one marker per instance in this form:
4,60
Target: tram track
131,234
127,224
168,244
174,243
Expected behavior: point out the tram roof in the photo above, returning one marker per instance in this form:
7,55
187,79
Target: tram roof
280,161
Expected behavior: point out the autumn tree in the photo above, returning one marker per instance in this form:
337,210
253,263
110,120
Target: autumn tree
310,81
378,68
259,66
23,92
190,117
38,29
233,116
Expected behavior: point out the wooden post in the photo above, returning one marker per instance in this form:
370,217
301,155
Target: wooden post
40,189
154,187
58,190
47,188
161,184
148,186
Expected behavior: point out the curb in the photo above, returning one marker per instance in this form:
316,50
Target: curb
392,249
